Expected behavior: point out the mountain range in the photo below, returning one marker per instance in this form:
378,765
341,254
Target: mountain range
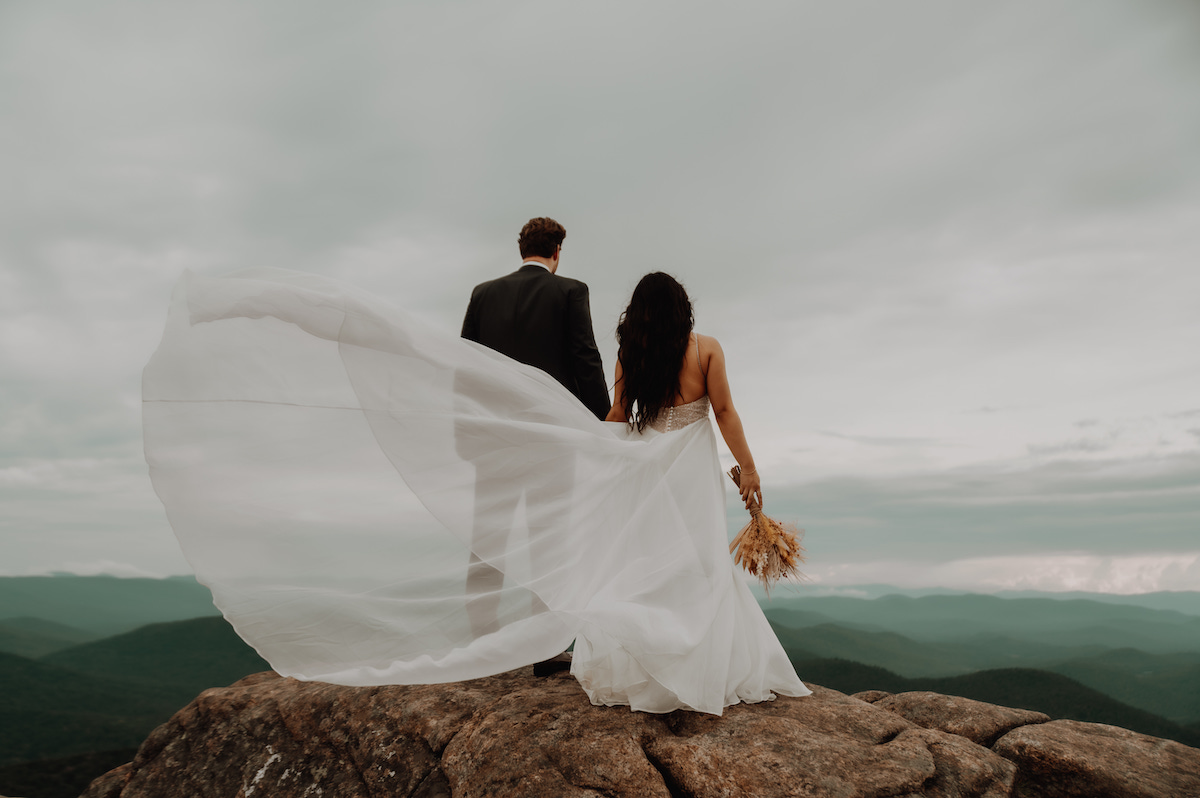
1147,658
102,605
1068,622
91,664
110,693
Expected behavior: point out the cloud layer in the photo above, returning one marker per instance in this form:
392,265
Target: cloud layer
949,249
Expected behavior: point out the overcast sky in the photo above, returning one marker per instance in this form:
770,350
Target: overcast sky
951,249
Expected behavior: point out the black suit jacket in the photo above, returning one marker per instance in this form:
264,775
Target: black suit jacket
545,321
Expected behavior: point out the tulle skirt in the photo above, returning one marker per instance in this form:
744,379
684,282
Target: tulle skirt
374,501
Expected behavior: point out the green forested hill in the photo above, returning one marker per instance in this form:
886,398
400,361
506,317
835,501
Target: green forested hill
64,777
191,655
103,605
935,618
1167,685
35,637
1185,601
909,657
1051,693
110,693
50,711
30,686
1076,622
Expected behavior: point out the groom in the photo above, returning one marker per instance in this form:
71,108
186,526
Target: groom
543,320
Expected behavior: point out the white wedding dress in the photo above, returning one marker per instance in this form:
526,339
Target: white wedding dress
332,466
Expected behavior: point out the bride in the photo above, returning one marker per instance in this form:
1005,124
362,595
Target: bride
307,442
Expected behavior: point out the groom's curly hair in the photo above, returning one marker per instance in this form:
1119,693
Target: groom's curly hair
540,237
652,340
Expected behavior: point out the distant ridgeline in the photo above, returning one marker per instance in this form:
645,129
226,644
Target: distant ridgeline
1032,653
92,664
96,606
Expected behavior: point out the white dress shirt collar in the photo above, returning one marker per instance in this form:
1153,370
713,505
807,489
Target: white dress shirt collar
537,263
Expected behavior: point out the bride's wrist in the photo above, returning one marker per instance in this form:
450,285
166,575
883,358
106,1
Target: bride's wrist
750,470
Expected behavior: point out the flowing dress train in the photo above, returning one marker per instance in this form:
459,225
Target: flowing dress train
339,474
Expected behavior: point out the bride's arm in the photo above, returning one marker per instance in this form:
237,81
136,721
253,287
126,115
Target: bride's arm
618,412
728,420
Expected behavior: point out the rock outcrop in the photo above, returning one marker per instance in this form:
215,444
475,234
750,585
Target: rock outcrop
516,735
978,722
1070,759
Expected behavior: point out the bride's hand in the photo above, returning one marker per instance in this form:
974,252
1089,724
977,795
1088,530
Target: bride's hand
751,488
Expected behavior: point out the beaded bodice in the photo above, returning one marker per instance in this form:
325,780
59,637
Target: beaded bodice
678,417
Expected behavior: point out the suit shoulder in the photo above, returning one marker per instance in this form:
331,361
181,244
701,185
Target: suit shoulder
570,284
486,285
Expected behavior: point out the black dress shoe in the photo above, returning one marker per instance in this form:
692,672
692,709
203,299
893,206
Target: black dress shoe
559,662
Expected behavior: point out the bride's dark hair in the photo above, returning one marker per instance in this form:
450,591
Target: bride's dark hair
652,339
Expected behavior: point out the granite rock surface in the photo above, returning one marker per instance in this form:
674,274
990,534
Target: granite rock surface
517,735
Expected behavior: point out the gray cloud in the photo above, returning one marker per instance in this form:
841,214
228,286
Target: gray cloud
1110,509
1068,447
883,440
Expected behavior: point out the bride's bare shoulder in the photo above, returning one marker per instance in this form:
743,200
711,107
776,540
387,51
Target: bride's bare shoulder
708,346
709,354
